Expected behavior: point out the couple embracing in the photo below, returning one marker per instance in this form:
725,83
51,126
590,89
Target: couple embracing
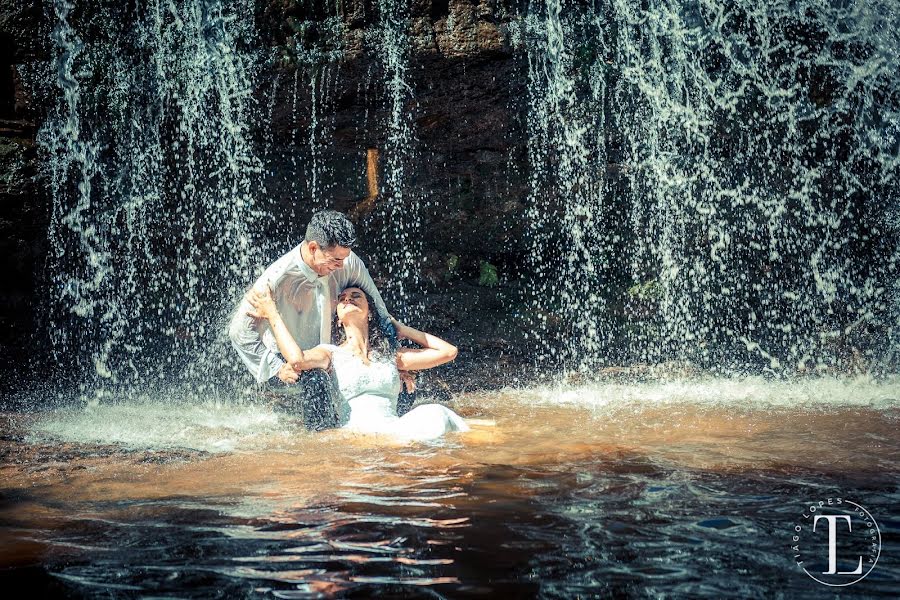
315,320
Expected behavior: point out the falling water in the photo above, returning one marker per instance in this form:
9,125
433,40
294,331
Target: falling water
321,175
399,241
321,171
714,184
566,149
314,56
315,160
717,182
153,179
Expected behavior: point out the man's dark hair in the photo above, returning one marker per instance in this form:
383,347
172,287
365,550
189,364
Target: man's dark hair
330,228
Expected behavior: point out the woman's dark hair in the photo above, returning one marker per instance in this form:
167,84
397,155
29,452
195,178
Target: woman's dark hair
379,345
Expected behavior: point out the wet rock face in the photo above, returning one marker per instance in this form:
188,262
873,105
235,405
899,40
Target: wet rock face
24,216
466,160
24,37
24,209
466,29
452,28
20,23
467,155
464,104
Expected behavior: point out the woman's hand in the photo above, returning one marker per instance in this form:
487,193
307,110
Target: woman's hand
433,352
263,304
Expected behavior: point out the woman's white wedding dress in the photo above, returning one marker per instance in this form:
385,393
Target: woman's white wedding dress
367,401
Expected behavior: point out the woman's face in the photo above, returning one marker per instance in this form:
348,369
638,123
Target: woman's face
352,301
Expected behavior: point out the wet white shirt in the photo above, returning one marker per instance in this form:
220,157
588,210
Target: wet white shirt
306,303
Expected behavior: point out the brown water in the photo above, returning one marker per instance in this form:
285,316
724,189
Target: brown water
681,490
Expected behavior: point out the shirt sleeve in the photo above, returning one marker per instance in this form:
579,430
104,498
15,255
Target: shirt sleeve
359,274
245,333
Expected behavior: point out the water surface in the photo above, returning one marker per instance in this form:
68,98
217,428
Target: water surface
681,489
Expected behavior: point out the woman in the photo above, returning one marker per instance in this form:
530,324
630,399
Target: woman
366,371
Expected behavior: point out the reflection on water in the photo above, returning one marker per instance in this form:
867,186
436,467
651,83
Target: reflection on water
686,489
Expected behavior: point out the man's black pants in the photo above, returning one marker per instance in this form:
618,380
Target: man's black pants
311,398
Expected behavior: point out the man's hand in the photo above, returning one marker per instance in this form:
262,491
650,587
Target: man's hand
287,374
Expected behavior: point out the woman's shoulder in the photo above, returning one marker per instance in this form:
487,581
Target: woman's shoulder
330,348
337,351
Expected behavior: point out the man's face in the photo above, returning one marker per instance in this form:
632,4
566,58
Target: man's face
327,260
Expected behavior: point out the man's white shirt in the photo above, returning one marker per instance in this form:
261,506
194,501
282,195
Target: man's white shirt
306,303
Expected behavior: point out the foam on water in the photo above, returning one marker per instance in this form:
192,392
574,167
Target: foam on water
208,427
225,427
746,394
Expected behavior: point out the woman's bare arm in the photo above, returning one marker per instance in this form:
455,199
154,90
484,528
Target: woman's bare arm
264,308
434,352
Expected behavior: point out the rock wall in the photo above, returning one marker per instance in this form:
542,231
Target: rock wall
24,205
468,168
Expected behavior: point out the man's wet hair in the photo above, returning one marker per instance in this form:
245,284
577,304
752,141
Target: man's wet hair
330,228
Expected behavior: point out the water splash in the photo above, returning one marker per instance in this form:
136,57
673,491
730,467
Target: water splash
748,394
153,178
718,181
149,423
321,175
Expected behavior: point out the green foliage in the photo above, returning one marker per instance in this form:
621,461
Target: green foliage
451,268
649,290
452,264
488,276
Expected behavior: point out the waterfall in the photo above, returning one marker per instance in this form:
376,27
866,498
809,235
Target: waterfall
712,183
323,173
154,179
716,182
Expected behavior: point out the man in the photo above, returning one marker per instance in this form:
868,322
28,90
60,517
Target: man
305,284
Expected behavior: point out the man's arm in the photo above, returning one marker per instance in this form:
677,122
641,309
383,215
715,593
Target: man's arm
246,338
264,307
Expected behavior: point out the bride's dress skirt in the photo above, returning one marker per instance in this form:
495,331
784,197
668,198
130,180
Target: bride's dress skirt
375,414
